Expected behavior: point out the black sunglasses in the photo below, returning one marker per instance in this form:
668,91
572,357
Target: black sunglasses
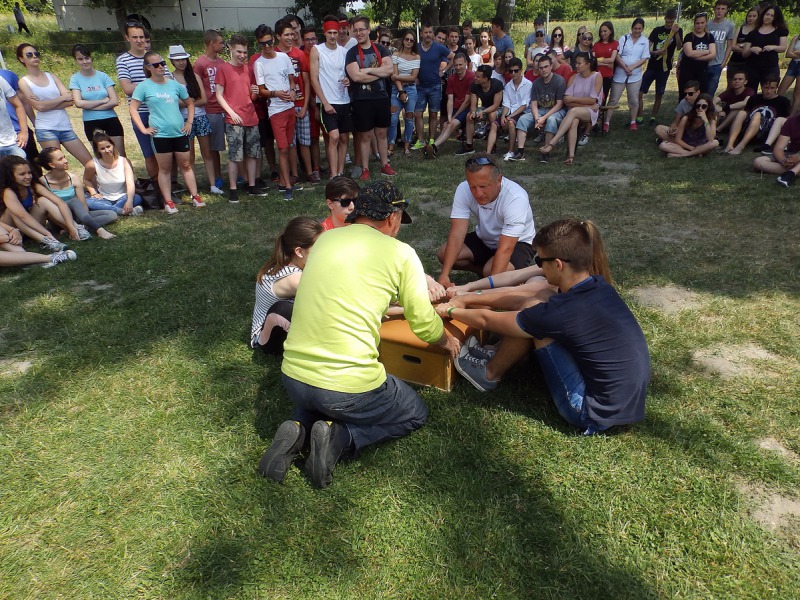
32,54
163,63
539,34
513,71
267,43
558,35
689,93
700,106
540,261
481,161
345,202
385,42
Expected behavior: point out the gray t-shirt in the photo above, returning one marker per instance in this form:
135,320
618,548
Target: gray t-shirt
547,94
722,32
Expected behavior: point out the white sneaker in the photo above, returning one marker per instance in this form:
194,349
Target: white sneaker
52,244
216,190
59,257
507,156
584,140
83,233
170,208
137,211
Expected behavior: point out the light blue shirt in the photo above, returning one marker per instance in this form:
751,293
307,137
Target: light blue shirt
93,88
162,100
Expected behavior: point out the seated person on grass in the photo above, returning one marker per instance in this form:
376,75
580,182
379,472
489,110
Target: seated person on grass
516,104
12,254
758,116
502,238
488,93
785,159
559,66
591,349
730,102
696,132
690,93
340,192
457,108
547,106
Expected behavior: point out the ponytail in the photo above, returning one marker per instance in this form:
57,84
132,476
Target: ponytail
599,264
301,232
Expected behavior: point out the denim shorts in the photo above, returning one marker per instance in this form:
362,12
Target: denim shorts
794,69
12,150
53,135
430,96
145,144
567,387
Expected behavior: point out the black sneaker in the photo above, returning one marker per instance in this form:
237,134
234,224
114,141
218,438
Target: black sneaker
465,149
518,156
254,190
328,441
759,148
787,178
766,149
434,151
233,196
544,158
288,441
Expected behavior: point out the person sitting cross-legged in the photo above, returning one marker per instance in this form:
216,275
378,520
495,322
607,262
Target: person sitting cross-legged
696,131
785,159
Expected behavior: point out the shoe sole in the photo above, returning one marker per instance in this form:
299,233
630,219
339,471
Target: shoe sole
320,475
785,184
278,458
464,374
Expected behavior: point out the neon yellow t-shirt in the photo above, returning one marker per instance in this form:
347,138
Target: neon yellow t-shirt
351,276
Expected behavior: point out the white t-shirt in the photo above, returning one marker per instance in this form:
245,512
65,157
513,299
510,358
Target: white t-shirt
8,136
331,74
274,74
510,214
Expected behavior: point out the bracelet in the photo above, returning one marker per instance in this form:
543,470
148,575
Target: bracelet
491,282
450,312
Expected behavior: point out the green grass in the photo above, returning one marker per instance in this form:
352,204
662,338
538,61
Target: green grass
129,448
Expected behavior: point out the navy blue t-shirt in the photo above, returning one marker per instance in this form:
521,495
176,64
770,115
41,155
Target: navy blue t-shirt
429,62
598,329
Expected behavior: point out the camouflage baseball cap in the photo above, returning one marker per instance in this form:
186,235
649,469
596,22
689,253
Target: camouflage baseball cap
377,201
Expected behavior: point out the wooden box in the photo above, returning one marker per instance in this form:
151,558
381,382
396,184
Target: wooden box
408,358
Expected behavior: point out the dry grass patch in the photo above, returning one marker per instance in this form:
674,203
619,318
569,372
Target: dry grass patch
738,360
669,299
773,511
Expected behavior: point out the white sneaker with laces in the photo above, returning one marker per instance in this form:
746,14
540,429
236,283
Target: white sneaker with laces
507,156
60,257
83,233
137,211
584,140
216,190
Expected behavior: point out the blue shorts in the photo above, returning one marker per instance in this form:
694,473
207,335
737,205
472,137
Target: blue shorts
12,150
794,69
53,135
429,96
567,387
144,140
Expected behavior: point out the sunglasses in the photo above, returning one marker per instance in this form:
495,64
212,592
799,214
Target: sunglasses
587,38
539,34
701,15
155,65
558,35
481,161
32,54
701,106
540,261
408,40
345,202
689,93
513,71
266,43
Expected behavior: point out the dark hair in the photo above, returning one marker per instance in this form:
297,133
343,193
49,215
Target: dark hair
711,111
672,13
426,25
499,21
470,37
722,3
608,25
83,49
363,18
453,29
102,136
589,58
306,30
771,78
290,17
778,22
282,25
637,21
263,30
7,166
210,35
515,62
578,242
403,37
544,57
691,84
485,70
341,185
148,55
237,39
192,85
46,157
21,50
301,232
552,37
330,18
441,30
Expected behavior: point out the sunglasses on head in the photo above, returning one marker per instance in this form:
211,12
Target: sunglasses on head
481,161
32,54
155,65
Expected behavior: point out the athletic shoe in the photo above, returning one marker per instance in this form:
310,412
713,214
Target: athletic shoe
518,156
240,180
347,159
507,156
478,351
328,441
261,184
255,191
197,201
634,126
60,257
474,370
83,233
287,195
216,190
218,183
275,176
766,149
465,149
639,120
652,121
419,145
606,127
539,139
787,179
544,158
288,441
233,196
435,150
388,170
137,211
170,208
51,244
364,175
313,177
356,172
584,140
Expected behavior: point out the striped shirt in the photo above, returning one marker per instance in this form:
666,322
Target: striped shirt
404,65
265,298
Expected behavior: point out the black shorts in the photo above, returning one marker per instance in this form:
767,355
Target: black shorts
111,126
169,145
341,120
521,257
265,131
369,114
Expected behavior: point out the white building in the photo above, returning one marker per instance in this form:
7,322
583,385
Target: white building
197,15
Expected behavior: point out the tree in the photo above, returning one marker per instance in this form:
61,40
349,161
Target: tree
120,8
505,9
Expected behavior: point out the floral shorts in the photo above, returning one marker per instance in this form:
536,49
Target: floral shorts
201,127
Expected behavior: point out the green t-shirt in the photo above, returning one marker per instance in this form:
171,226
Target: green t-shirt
162,100
351,276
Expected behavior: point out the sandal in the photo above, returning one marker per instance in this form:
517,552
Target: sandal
569,161
407,153
546,149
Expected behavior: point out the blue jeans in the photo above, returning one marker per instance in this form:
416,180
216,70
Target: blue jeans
391,411
714,72
429,96
103,204
411,103
12,150
567,387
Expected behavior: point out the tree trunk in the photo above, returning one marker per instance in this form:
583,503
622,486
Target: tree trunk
505,9
450,12
430,13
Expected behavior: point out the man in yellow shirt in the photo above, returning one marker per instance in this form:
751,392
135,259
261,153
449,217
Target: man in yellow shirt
342,394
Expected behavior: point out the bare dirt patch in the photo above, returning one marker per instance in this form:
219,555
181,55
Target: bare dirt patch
774,445
614,180
93,285
669,299
772,511
430,205
14,367
736,360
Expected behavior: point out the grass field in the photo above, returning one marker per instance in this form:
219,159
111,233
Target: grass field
133,415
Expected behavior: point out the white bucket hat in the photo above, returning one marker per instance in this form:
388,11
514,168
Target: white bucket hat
177,52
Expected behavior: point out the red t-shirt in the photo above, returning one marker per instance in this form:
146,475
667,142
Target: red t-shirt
605,50
731,98
236,83
530,76
564,70
301,65
791,128
206,71
261,103
459,88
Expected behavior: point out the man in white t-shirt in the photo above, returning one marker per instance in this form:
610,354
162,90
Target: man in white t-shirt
11,142
502,239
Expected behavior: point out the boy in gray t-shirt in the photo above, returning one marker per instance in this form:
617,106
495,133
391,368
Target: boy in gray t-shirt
724,32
